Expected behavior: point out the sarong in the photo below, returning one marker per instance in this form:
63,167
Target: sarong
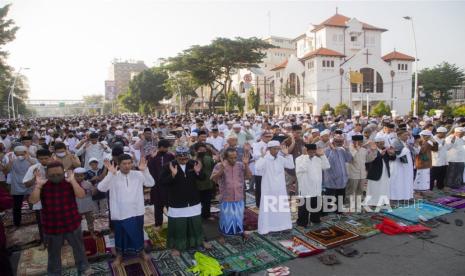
454,176
129,235
184,232
232,218
422,180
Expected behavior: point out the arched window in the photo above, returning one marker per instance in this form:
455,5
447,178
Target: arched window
291,83
379,83
368,80
297,85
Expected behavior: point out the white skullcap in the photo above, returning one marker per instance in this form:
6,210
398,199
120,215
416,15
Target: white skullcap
135,139
126,149
58,140
236,126
273,143
93,159
194,134
426,133
441,130
459,129
379,138
232,135
315,130
79,170
325,132
119,133
246,123
20,148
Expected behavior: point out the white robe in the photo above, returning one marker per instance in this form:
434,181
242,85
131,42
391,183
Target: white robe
422,180
275,212
402,177
378,188
310,174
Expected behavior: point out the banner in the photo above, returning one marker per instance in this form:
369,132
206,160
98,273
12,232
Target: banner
356,77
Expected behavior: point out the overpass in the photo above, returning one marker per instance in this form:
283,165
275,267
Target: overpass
59,108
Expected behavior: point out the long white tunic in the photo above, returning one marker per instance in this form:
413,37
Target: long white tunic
126,192
378,188
275,212
401,181
309,173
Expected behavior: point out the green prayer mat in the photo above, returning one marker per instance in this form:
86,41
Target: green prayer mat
360,224
158,238
218,251
167,264
98,269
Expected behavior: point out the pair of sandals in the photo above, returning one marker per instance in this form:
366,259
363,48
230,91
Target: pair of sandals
278,271
331,259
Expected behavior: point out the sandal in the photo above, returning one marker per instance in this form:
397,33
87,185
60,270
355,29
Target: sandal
347,251
329,259
458,222
443,220
425,235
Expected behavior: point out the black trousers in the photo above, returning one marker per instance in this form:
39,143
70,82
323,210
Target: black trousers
17,204
206,202
5,265
39,225
438,174
158,211
336,193
303,212
258,189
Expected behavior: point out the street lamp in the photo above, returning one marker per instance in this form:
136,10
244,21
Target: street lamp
415,94
12,95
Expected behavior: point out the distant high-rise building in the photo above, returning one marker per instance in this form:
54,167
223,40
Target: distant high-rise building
120,74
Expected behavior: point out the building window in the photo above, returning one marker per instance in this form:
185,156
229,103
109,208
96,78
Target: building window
354,87
368,80
324,63
310,64
379,83
332,63
406,67
353,38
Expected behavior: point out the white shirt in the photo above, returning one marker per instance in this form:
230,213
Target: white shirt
439,158
217,142
309,174
30,175
456,150
126,193
257,154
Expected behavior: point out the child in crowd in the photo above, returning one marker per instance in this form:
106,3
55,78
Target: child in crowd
85,204
94,175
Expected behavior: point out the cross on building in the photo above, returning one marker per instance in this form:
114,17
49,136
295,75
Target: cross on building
367,54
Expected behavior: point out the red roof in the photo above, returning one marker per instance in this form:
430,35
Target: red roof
339,20
397,56
322,52
280,66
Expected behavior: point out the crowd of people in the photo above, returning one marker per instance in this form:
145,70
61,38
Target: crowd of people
84,167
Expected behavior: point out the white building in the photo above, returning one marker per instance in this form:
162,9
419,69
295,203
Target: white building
316,72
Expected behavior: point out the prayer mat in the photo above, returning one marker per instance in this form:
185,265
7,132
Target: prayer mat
300,247
237,245
332,236
218,251
22,238
259,257
284,239
413,211
100,224
28,217
359,224
254,209
250,220
95,248
134,267
460,194
249,199
167,264
451,201
157,238
33,261
98,269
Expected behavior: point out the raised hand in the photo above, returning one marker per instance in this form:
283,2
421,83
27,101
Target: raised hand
320,152
154,152
197,167
110,167
246,159
373,145
70,176
39,179
285,149
173,169
142,163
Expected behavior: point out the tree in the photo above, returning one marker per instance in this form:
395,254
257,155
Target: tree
253,100
8,34
381,109
213,64
183,86
342,110
145,91
233,101
437,81
459,111
326,107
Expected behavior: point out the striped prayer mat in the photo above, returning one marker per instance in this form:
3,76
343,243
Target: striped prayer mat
451,201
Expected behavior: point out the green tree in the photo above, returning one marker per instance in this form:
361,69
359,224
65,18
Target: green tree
213,64
437,81
341,110
459,111
8,34
145,91
381,109
183,86
326,107
253,100
233,101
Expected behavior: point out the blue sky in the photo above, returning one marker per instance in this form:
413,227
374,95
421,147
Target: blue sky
69,44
